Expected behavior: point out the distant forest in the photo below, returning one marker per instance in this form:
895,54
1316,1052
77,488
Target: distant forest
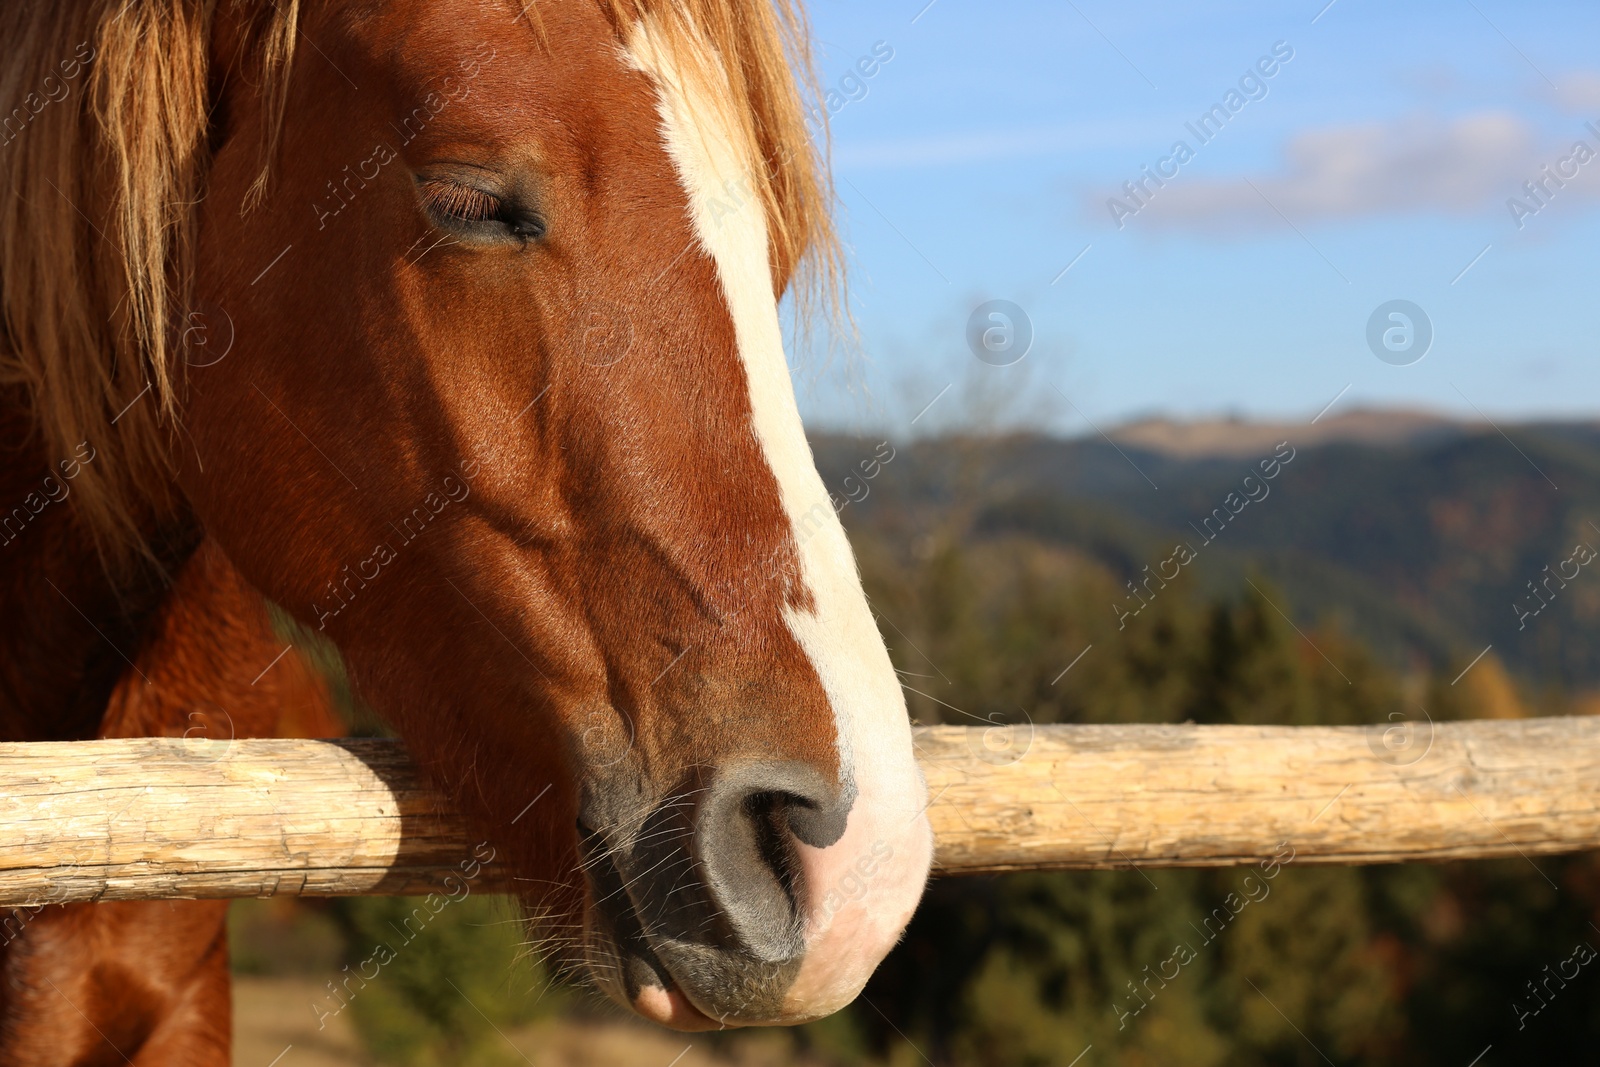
1427,549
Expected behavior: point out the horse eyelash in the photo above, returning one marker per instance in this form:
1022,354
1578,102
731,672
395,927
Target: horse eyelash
457,201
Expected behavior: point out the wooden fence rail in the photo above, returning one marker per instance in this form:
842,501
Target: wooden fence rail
164,818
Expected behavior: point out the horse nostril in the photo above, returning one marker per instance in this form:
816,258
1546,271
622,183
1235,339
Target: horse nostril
818,823
745,837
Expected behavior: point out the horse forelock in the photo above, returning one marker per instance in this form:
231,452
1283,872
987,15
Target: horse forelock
101,184
758,49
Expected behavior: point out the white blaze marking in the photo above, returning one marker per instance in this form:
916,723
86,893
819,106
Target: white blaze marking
838,635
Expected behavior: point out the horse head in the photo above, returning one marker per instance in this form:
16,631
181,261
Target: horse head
505,413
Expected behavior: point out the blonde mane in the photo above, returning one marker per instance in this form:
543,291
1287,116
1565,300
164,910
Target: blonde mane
102,168
759,47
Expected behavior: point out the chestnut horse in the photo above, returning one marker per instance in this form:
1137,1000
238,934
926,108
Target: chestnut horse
451,328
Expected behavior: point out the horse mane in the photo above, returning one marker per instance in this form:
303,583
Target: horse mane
759,49
102,164
99,185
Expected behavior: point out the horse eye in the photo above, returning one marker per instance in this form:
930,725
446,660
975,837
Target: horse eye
456,201
457,204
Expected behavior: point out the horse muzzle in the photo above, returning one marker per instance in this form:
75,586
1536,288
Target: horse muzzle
766,895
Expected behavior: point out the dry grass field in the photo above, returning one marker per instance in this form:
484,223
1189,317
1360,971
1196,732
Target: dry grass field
274,1026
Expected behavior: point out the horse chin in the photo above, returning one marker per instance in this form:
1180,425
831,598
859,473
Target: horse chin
670,1008
681,984
629,973
633,975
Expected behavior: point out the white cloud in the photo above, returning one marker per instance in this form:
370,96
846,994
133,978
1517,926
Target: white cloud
1344,172
989,146
1579,91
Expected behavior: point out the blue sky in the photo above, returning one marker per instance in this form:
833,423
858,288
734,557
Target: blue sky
1375,164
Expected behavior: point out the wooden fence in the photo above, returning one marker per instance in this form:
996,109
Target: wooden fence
164,818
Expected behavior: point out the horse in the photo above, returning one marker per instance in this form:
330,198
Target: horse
452,330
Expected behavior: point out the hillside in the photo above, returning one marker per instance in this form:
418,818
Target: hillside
1420,536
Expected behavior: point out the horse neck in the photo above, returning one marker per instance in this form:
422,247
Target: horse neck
67,628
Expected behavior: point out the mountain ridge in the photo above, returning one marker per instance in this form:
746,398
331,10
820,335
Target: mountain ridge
1421,535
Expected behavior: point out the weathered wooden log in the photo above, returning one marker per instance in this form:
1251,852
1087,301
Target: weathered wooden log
166,818
1101,797
157,818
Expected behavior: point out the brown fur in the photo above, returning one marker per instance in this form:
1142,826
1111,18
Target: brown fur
147,982
619,565
97,196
